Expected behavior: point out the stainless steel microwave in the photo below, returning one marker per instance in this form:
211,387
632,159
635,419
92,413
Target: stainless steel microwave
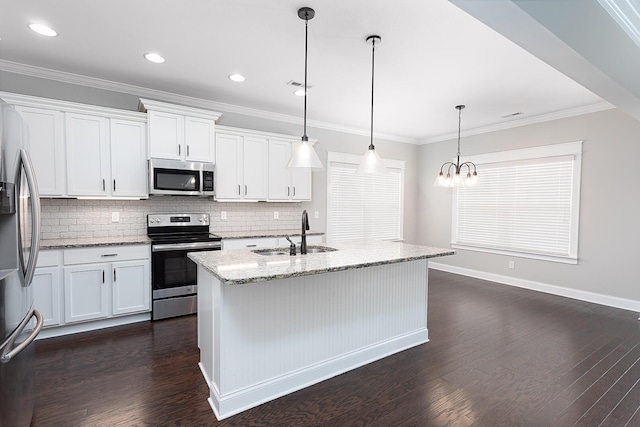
178,178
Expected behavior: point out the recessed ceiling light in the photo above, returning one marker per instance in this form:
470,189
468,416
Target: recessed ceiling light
236,77
43,30
299,92
154,57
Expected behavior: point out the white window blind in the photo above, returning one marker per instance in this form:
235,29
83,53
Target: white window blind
525,205
363,206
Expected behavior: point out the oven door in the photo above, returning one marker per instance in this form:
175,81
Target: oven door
172,272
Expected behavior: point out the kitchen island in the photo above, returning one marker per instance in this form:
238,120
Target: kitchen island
269,325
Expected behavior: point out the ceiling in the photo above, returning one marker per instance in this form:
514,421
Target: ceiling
433,56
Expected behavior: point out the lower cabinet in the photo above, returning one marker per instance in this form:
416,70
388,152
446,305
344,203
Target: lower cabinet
93,283
47,287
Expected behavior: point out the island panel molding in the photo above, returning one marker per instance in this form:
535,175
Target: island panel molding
271,325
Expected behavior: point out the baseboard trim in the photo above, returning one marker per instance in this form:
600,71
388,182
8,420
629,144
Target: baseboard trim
602,299
58,331
233,403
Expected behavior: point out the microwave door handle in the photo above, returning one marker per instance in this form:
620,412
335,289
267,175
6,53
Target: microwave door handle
32,184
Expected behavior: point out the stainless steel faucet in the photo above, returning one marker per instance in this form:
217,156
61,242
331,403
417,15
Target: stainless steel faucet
305,227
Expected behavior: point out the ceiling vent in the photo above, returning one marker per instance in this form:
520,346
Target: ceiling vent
297,84
507,116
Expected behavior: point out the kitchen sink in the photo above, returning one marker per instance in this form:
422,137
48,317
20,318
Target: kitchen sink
276,252
319,249
269,252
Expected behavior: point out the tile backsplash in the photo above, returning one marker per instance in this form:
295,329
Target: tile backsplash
72,218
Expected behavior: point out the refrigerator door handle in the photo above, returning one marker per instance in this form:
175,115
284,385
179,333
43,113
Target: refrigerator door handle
30,269
8,354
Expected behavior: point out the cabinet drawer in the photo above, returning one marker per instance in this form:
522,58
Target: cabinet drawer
48,259
105,254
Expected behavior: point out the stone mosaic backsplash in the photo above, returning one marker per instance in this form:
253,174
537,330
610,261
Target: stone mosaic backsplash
72,218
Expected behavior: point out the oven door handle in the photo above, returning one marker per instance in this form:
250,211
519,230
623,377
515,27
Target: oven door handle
186,246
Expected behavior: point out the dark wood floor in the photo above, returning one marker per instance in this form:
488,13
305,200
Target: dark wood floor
498,356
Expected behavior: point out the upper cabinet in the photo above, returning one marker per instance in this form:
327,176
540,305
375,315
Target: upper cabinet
82,150
45,144
180,133
105,157
241,167
286,184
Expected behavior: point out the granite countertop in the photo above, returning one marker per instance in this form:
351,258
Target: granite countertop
268,233
93,241
235,267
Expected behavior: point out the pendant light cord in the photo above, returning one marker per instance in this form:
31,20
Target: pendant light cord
306,37
373,54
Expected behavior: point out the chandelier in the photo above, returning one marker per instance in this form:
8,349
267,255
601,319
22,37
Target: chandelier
457,180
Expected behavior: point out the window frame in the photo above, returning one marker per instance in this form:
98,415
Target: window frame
543,153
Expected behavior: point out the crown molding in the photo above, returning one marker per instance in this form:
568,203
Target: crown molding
64,77
593,108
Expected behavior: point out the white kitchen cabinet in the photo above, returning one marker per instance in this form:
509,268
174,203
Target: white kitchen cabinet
180,133
241,167
286,184
105,157
131,290
87,155
106,281
46,287
128,161
45,136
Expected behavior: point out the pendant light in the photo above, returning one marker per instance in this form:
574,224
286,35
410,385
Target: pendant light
456,180
371,162
304,156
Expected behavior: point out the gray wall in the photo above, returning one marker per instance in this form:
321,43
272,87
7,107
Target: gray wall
609,203
328,140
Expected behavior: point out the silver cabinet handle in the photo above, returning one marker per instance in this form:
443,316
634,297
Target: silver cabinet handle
238,189
114,185
114,274
187,149
102,276
178,149
288,191
251,246
294,191
108,255
8,355
245,189
104,185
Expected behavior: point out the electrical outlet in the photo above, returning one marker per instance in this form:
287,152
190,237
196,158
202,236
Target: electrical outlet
276,215
115,216
512,264
223,215
316,214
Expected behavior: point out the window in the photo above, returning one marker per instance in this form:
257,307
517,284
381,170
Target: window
363,206
526,204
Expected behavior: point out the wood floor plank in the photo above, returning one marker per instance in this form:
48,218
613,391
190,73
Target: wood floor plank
498,355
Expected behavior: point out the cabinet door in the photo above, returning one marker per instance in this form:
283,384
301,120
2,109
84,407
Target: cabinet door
199,137
45,143
131,287
86,140
255,168
279,175
166,135
46,294
228,173
301,184
85,292
128,159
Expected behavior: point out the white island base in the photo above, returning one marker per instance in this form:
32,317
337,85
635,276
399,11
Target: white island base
259,341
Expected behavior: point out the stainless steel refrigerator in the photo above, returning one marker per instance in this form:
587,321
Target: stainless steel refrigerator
20,322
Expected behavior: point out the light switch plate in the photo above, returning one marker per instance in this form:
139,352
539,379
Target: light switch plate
276,215
223,215
115,216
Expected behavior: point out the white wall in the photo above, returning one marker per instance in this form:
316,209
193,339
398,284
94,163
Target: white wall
610,205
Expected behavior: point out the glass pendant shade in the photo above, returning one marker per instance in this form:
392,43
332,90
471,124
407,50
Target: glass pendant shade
304,156
372,163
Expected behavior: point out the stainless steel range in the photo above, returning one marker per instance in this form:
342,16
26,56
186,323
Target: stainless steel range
173,275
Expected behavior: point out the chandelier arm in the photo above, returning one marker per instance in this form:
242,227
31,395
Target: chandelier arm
468,165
